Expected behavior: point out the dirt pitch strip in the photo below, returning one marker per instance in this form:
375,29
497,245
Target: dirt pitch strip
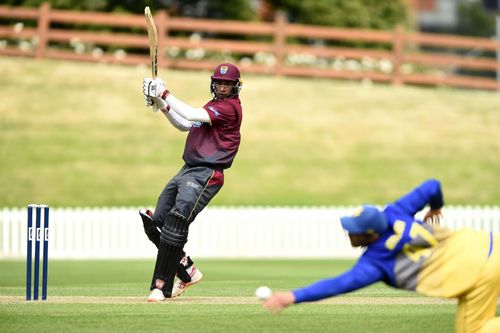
354,300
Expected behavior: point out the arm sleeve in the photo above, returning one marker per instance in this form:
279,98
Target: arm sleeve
427,193
361,275
187,112
177,121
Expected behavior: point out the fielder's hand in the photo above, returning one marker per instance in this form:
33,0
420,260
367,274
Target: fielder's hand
278,301
433,217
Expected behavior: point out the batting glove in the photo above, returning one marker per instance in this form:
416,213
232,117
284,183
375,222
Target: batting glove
153,87
155,93
148,101
153,90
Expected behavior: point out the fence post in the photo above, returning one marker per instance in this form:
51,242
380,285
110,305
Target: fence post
42,29
161,20
498,47
279,41
397,51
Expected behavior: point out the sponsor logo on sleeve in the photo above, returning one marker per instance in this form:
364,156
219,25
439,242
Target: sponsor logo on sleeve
216,113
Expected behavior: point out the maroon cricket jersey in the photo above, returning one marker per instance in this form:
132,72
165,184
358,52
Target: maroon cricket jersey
215,145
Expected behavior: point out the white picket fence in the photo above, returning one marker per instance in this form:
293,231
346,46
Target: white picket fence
240,232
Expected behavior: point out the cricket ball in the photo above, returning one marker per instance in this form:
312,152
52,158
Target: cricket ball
263,293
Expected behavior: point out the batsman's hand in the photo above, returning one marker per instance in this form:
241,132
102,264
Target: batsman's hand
278,301
148,101
153,90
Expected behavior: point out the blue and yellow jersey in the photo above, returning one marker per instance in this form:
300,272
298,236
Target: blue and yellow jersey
412,255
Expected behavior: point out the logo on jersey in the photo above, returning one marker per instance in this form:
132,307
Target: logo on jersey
193,185
223,69
216,113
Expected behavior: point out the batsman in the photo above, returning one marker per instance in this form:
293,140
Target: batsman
211,146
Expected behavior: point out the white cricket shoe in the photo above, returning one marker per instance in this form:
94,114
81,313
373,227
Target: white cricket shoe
180,286
156,296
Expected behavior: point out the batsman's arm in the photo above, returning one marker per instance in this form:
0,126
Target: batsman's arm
186,111
177,121
155,89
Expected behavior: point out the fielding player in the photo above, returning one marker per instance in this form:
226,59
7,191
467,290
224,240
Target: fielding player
211,146
408,254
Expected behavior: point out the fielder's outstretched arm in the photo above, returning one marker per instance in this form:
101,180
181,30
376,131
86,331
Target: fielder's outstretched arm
361,275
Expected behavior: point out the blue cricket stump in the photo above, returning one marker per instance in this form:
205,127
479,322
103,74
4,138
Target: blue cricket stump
38,234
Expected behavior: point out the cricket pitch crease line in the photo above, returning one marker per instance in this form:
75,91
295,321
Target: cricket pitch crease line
341,300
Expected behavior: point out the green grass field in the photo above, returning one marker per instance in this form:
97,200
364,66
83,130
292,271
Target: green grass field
110,296
78,134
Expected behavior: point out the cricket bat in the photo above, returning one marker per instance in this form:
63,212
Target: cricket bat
153,42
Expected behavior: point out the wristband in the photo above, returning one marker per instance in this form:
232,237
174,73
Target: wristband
165,94
162,105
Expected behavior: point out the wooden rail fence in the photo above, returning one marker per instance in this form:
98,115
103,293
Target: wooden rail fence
278,48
